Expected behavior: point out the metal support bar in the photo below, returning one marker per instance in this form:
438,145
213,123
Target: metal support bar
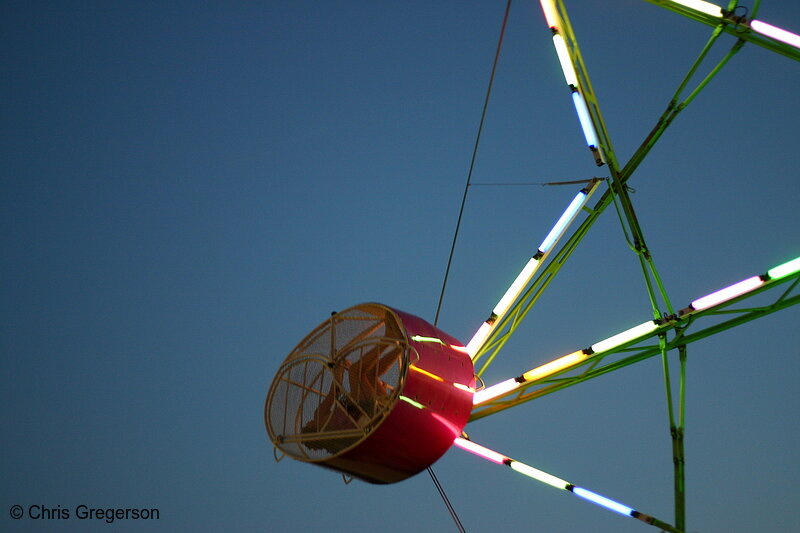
735,26
677,433
583,372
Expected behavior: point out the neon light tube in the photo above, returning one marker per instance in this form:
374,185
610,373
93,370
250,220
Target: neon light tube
420,338
550,14
463,387
412,402
786,269
478,339
513,291
538,475
566,219
558,483
462,349
566,63
494,391
554,366
776,33
425,373
703,7
585,118
723,295
602,501
624,337
479,450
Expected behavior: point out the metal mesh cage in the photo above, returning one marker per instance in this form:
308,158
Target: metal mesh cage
338,384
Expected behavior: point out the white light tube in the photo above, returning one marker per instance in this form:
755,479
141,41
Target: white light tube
723,295
494,391
701,6
538,475
625,336
513,291
776,33
570,76
585,118
478,339
566,219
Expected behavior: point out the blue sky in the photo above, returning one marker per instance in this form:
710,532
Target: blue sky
188,189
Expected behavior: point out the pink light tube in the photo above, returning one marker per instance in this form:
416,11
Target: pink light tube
479,450
776,33
723,295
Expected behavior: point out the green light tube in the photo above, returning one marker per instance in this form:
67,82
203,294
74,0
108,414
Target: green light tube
412,402
786,269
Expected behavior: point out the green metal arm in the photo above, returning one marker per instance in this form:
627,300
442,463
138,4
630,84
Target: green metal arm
627,355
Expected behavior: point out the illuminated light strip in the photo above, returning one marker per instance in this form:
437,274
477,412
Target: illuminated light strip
776,33
420,338
530,268
701,6
426,373
566,219
550,14
586,120
570,76
463,387
454,429
723,295
516,287
495,390
437,378
479,450
720,296
561,363
478,339
557,483
554,366
412,402
538,475
462,349
625,337
602,501
786,269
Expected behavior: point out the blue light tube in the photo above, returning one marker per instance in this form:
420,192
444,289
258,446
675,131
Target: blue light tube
565,220
602,501
585,118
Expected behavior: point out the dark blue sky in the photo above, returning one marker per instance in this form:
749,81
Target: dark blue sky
188,189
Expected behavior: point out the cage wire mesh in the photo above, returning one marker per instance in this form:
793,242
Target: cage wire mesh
338,384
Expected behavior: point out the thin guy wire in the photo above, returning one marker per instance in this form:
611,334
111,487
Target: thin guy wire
446,500
472,162
438,485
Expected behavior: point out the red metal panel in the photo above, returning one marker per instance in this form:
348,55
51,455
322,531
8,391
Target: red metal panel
430,412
